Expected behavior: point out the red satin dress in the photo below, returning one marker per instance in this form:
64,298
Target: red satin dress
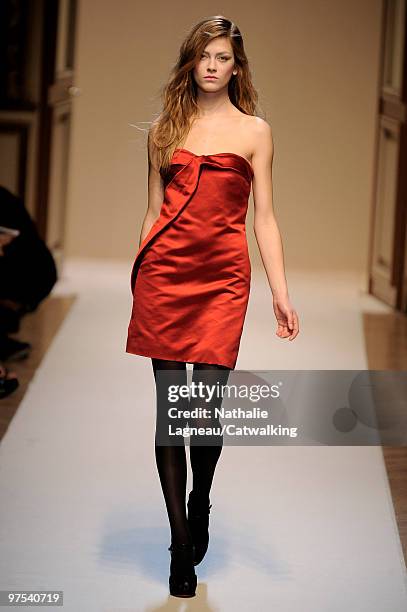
191,276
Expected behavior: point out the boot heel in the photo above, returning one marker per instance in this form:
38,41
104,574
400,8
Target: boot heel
198,522
182,581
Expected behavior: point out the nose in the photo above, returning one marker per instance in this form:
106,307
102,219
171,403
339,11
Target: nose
212,65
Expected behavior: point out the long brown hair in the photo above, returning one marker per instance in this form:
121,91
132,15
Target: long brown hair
180,92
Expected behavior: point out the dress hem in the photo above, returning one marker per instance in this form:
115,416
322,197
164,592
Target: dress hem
185,360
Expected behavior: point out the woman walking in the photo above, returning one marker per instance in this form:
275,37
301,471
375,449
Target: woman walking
191,275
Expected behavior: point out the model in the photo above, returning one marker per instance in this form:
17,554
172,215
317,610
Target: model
191,275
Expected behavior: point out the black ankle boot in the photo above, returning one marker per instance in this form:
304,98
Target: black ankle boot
198,521
182,580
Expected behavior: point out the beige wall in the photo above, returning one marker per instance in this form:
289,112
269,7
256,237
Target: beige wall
315,64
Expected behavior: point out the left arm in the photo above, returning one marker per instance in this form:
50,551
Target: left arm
267,233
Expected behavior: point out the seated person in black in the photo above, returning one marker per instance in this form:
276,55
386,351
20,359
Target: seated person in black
27,272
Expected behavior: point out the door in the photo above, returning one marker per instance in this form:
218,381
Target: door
59,56
388,259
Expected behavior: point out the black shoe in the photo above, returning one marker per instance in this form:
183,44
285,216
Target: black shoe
198,521
182,580
13,350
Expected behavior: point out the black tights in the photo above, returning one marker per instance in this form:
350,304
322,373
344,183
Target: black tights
171,459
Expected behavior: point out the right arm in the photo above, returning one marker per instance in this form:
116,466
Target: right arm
155,190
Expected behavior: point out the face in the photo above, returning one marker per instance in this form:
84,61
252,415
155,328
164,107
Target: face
216,60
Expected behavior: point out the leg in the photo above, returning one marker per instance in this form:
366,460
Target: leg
10,315
204,455
204,452
171,459
28,275
8,381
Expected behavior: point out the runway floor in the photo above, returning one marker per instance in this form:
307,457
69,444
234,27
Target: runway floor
293,529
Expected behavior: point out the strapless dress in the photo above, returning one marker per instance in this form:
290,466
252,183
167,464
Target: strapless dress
191,275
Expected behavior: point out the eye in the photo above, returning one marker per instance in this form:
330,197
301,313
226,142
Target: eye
223,57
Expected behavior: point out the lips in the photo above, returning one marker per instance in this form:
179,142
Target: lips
210,78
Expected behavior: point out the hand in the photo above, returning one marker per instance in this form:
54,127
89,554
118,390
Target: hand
4,240
287,318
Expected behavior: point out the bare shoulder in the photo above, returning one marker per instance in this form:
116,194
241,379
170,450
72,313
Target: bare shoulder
261,129
255,134
261,137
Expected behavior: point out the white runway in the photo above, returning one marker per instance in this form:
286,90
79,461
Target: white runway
299,529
